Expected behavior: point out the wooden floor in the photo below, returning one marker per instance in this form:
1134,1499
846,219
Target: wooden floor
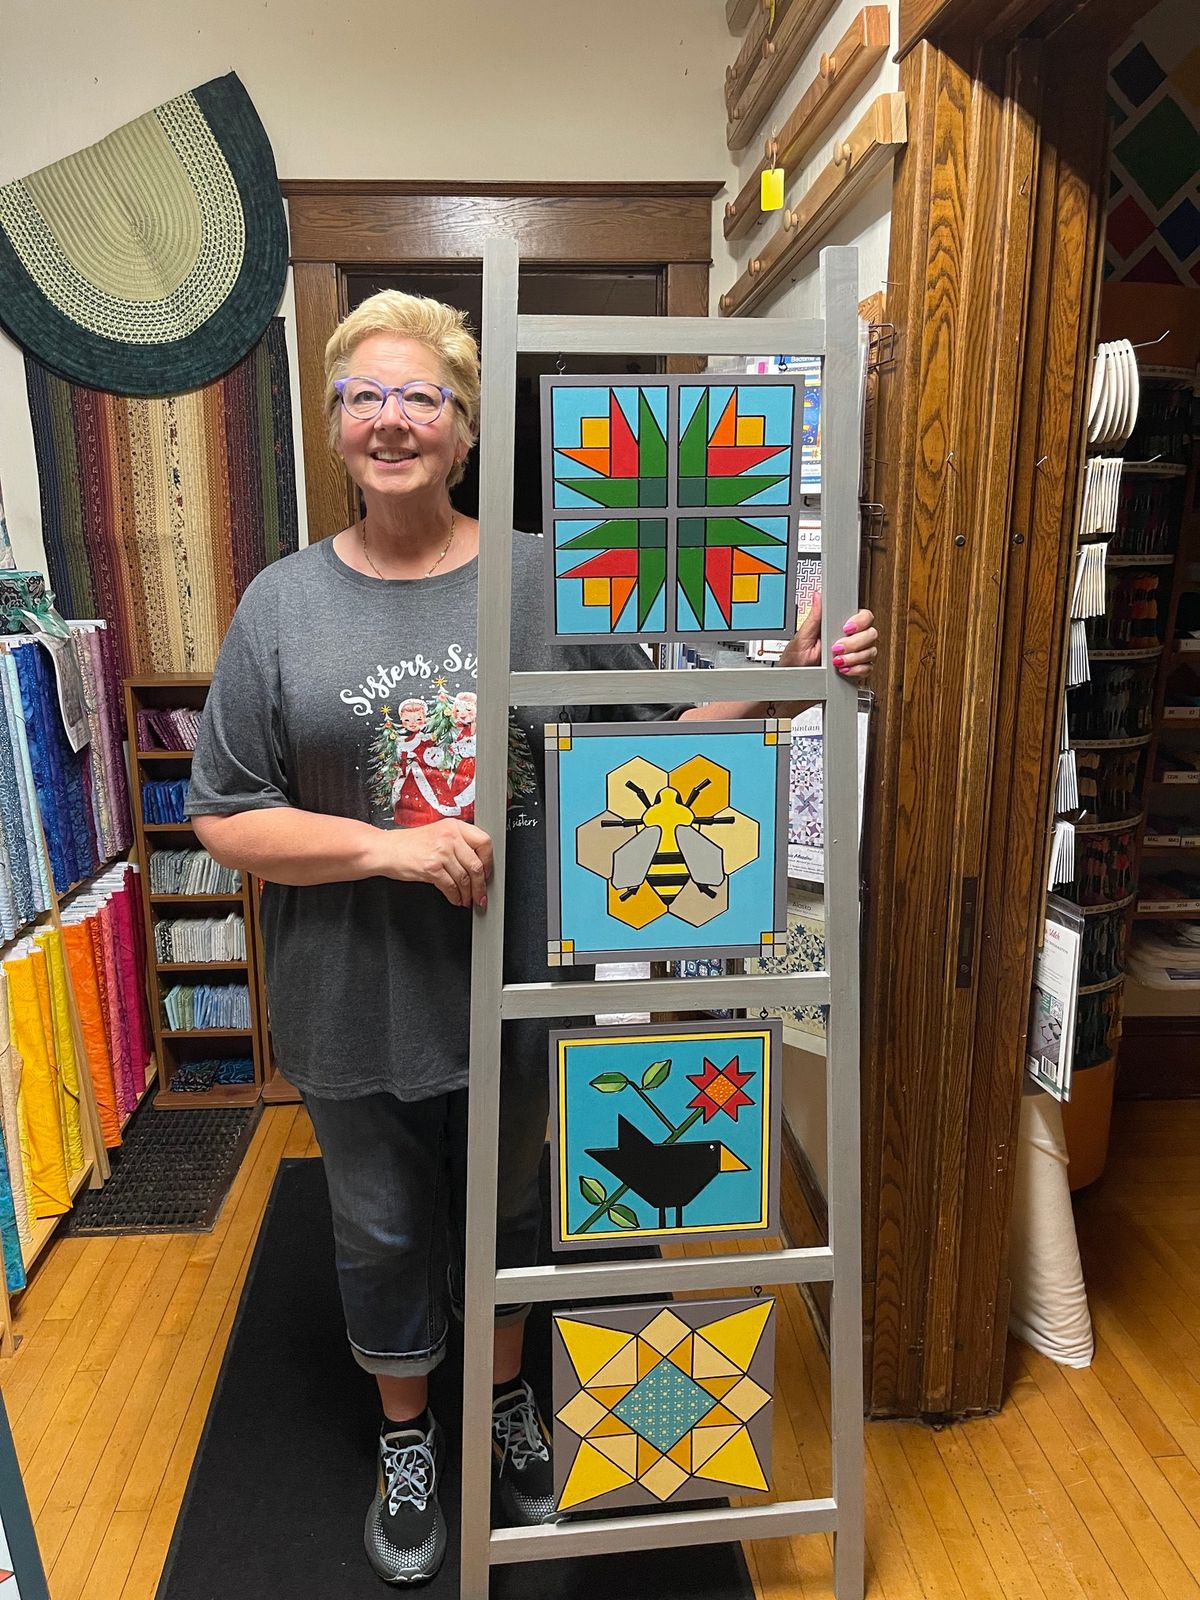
1086,1485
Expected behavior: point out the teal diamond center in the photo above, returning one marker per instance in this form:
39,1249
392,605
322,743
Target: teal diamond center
664,1406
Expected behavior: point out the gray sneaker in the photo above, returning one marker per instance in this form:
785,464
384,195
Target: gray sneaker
406,1532
522,1465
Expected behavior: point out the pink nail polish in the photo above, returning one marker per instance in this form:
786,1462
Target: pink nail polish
849,628
838,648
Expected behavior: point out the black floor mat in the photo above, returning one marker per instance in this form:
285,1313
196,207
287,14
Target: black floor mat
171,1173
286,1466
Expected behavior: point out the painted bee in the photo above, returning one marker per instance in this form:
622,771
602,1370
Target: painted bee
668,849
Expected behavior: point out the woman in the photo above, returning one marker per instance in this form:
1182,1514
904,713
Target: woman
334,740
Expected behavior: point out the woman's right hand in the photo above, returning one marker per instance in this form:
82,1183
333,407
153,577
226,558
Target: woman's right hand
454,856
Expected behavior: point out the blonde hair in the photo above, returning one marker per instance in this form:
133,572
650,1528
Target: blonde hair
442,330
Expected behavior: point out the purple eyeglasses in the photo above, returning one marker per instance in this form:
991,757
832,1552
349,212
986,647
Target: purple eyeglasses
364,399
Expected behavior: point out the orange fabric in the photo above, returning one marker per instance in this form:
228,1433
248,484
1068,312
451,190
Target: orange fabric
77,942
39,1085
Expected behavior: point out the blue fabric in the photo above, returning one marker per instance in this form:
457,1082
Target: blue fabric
12,826
57,771
14,1266
39,866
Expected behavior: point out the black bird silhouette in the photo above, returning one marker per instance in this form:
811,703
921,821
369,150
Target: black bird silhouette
665,1176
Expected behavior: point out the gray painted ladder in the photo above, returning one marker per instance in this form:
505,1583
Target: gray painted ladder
835,338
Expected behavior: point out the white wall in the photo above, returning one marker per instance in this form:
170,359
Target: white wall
482,89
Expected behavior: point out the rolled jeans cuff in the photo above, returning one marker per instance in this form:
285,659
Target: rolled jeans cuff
417,1365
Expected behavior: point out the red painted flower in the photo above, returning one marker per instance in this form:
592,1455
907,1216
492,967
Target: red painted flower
720,1089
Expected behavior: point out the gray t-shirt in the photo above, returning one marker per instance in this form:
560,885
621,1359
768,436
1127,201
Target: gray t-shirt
354,696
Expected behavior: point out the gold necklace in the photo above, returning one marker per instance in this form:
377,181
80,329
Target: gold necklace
362,529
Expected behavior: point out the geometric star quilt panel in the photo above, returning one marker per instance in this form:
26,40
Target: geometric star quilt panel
664,1132
664,838
662,1403
672,506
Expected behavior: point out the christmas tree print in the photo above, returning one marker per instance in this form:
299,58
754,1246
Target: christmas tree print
522,775
381,760
442,729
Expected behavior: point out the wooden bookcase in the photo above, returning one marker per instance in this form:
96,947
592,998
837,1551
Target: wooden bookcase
172,1045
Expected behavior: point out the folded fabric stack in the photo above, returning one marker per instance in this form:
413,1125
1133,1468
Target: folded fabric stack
164,800
82,796
105,939
195,1077
191,872
201,939
207,1005
1166,955
175,729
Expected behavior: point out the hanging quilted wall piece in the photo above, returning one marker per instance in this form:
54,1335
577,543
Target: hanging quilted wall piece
156,514
662,1403
664,1132
151,262
672,505
665,837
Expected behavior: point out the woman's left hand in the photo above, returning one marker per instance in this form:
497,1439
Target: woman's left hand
853,653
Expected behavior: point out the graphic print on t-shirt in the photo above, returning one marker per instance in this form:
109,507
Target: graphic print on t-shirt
421,762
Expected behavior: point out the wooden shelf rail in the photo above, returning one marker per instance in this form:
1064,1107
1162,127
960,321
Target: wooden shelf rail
857,161
842,72
782,53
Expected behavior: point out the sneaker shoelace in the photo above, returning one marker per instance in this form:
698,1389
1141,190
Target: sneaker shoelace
409,1471
517,1433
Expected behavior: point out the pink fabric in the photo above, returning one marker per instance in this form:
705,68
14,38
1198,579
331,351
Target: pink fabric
121,1040
112,720
133,993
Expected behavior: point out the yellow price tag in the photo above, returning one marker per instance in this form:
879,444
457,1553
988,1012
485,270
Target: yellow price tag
770,197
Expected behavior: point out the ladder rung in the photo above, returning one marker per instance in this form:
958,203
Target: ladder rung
611,1279
749,990
670,336
681,685
664,1528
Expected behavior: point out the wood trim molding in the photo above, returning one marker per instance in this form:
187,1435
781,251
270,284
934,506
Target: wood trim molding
963,25
559,225
739,12
782,54
748,57
335,226
804,1215
857,160
841,72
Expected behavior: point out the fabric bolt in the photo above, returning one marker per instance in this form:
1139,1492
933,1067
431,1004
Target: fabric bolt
50,943
95,754
119,1023
12,820
112,735
10,1238
39,859
133,998
77,945
157,514
58,771
11,1120
39,1090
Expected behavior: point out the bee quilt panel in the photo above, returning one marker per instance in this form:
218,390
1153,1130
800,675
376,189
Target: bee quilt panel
672,505
666,838
655,1404
662,1133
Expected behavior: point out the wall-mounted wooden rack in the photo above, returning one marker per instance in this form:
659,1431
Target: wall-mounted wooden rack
857,160
781,55
843,70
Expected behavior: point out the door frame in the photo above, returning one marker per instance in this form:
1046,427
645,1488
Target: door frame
339,226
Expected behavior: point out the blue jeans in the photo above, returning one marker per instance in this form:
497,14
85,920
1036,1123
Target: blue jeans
397,1175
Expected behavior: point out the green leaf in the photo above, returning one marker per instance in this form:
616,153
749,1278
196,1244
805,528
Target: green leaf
610,1082
623,1217
592,1191
657,1072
